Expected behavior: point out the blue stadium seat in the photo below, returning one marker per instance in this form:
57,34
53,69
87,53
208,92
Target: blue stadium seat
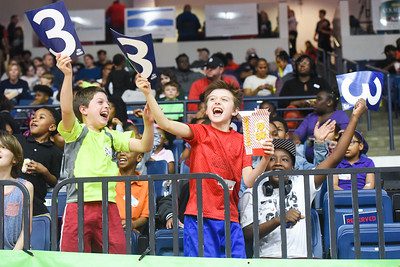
177,149
369,241
164,242
40,236
62,201
316,235
157,167
343,206
184,169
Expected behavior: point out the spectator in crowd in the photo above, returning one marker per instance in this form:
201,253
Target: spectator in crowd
389,62
213,69
102,59
115,16
398,49
184,76
204,54
188,25
355,27
247,68
355,157
161,153
166,76
9,124
17,44
305,83
325,108
231,65
323,32
90,72
261,84
11,162
268,191
117,118
48,63
311,51
37,61
120,79
14,88
127,162
42,157
3,48
11,28
43,94
93,158
105,72
30,76
171,92
217,149
264,25
284,66
292,24
270,106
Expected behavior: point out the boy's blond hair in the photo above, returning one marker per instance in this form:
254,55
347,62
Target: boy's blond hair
83,98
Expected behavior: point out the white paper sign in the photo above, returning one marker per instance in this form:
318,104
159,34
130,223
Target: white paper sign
231,20
89,24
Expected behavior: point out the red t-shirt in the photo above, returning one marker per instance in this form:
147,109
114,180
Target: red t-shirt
199,86
116,13
221,153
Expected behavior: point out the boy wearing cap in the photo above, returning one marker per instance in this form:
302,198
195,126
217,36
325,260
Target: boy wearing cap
43,94
268,192
355,157
213,70
42,162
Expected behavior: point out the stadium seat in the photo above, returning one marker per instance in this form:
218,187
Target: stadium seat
251,104
177,149
316,234
62,201
40,236
343,207
164,242
157,167
184,169
369,241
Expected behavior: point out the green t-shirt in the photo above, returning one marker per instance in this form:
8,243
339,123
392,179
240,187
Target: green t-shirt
93,158
172,108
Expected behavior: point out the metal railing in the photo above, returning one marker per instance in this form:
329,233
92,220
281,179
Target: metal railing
25,211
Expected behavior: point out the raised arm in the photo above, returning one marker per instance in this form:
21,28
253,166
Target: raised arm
145,144
66,96
174,127
337,155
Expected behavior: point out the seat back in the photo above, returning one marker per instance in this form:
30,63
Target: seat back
62,201
157,167
40,236
177,149
164,242
369,241
344,209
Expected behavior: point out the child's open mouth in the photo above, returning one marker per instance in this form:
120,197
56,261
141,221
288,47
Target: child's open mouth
217,111
104,114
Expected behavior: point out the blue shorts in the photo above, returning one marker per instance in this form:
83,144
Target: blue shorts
214,238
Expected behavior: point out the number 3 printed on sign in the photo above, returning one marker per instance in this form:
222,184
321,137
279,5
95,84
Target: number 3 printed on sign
57,31
139,56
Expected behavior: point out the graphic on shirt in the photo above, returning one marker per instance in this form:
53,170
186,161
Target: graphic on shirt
360,84
108,151
269,206
55,29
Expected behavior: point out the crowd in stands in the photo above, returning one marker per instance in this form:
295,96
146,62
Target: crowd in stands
93,120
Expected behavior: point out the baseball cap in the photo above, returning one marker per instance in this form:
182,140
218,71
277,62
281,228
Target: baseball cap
214,62
252,56
286,144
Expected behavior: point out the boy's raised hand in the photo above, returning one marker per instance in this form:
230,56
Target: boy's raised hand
321,132
359,108
143,84
147,114
64,64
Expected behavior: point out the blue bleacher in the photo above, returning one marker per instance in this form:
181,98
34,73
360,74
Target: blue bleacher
40,236
177,148
369,241
316,235
157,167
62,201
343,205
164,242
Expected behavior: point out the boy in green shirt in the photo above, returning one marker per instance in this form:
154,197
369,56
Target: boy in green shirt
89,151
171,92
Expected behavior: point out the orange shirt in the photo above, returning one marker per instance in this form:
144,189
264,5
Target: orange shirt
139,199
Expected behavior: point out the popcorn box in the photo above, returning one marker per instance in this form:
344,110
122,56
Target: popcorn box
255,130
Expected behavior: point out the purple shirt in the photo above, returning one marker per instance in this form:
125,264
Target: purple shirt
345,179
306,129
